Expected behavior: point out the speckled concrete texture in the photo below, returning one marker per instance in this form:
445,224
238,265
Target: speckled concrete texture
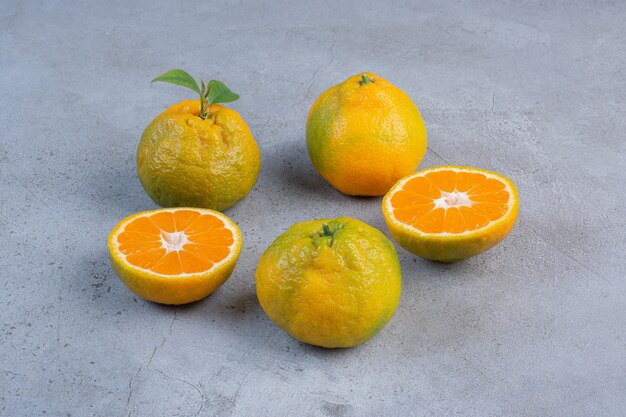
535,90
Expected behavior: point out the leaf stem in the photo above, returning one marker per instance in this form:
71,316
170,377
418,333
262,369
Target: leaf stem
203,101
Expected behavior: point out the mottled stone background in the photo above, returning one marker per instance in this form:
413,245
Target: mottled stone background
535,90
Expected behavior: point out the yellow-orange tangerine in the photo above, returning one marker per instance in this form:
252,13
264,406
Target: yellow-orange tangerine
450,213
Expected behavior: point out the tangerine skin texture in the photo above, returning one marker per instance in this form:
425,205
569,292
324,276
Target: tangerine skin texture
184,161
449,248
364,138
171,290
328,291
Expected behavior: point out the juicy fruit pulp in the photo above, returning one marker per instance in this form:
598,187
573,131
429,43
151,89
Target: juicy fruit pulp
184,160
330,283
450,201
450,213
365,134
174,243
174,256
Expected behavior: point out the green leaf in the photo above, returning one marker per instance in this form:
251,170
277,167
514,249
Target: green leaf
179,77
217,92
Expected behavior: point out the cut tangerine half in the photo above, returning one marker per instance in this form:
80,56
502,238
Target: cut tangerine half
450,213
174,255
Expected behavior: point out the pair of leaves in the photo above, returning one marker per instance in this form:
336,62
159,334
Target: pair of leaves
215,91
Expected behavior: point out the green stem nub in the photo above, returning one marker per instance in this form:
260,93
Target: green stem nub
365,79
326,230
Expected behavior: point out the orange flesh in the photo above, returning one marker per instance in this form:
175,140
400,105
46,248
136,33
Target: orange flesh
178,242
471,200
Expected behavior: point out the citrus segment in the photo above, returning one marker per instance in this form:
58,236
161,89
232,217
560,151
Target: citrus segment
433,203
450,213
172,243
174,256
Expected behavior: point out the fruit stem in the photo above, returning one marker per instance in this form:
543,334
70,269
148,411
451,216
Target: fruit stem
203,101
365,79
326,232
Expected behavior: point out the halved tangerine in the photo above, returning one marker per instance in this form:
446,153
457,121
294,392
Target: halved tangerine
174,255
450,213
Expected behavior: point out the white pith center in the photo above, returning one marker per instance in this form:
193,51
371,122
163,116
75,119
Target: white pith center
454,199
173,241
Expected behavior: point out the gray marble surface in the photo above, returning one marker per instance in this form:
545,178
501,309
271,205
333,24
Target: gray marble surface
535,90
